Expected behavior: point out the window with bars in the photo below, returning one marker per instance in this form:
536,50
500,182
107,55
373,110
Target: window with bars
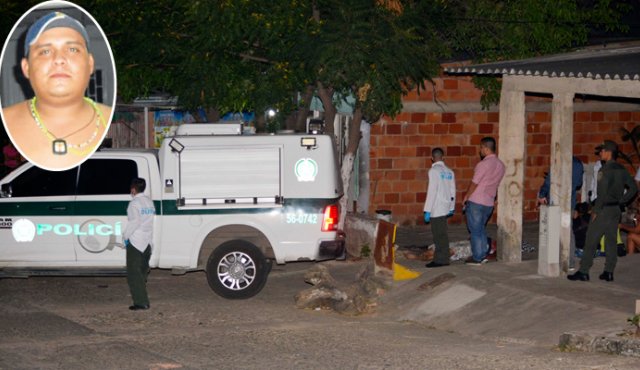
95,90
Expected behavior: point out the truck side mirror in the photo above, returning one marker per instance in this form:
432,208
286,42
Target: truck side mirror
6,190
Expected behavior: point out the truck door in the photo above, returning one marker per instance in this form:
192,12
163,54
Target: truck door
35,217
101,210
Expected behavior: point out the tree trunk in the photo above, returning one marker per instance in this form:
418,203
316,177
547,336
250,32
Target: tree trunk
303,110
261,124
291,121
213,115
347,163
326,96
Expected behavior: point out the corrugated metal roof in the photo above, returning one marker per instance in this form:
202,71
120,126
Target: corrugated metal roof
618,63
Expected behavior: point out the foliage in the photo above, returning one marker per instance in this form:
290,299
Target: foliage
247,53
490,87
358,49
490,30
634,137
150,43
514,29
254,54
237,55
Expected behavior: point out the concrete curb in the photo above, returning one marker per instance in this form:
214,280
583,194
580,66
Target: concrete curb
613,344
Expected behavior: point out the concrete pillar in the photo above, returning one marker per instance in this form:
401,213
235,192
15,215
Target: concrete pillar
511,150
561,158
548,244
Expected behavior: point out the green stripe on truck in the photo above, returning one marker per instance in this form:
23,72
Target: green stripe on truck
119,208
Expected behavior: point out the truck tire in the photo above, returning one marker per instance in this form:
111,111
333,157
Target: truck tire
237,269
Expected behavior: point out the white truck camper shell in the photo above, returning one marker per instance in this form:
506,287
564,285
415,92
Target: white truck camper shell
253,169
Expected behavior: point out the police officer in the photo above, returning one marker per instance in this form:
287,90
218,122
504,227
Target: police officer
440,204
138,237
615,188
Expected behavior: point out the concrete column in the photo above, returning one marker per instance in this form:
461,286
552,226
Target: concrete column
548,256
511,150
561,158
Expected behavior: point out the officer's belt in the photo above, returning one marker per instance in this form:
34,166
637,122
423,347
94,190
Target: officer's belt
611,204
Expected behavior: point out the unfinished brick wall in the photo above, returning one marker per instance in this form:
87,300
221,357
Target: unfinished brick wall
400,151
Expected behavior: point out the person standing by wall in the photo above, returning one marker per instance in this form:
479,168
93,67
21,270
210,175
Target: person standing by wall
577,172
138,238
440,204
480,199
615,188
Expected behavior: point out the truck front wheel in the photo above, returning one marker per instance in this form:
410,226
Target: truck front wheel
237,269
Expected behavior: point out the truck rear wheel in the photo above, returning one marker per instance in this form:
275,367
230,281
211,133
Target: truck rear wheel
237,269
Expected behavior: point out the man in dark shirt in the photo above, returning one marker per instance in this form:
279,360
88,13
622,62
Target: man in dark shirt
615,188
577,170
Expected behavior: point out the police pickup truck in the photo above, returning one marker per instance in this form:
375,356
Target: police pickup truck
228,204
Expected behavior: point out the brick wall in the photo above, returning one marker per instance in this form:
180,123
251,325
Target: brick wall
400,149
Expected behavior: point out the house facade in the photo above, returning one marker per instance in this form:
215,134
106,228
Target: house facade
450,116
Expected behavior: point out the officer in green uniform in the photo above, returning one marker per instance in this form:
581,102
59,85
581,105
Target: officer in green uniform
615,188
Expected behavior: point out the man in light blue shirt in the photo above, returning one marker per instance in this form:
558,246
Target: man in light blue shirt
440,204
138,237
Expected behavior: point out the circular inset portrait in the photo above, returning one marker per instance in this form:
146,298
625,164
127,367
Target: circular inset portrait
58,84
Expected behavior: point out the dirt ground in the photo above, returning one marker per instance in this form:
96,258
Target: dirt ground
84,323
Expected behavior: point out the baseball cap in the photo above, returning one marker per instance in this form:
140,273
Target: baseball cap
49,21
608,145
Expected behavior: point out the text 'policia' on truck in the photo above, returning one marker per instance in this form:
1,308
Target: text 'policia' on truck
226,204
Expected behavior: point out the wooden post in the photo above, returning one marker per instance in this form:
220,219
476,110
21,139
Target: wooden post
383,250
561,165
511,150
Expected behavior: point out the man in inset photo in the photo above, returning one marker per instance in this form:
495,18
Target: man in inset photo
59,127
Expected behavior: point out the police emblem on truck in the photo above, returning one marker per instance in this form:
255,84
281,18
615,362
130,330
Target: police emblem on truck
306,170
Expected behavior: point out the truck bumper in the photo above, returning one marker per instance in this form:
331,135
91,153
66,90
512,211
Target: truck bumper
333,249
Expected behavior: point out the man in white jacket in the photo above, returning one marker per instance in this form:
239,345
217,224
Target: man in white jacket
138,236
440,204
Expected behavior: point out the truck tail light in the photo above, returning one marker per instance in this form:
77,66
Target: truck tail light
330,218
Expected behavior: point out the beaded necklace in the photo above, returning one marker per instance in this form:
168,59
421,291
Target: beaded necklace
59,144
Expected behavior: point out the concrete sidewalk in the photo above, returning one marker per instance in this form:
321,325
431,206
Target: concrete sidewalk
510,302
